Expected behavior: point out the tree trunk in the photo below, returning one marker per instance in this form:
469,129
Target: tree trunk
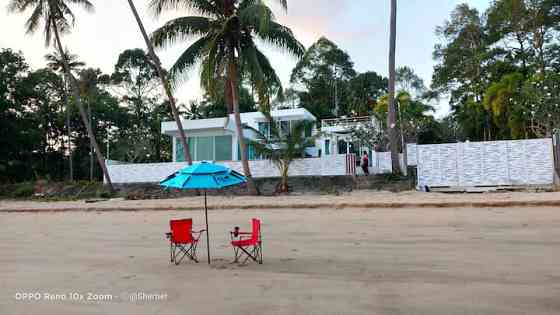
76,93
166,86
69,129
391,116
232,81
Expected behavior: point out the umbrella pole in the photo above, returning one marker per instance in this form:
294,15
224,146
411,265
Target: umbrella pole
207,234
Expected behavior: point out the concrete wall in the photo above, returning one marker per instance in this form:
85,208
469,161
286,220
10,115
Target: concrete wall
332,165
493,163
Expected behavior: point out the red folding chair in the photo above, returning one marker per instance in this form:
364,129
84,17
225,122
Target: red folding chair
248,243
183,240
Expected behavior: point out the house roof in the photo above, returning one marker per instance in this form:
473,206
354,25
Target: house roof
194,125
170,127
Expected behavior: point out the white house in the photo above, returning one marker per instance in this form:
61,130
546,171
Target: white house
215,139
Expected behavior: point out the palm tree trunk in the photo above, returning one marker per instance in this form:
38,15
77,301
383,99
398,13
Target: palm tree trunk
391,117
166,86
232,81
69,129
76,93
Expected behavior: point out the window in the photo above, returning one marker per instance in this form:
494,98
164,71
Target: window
179,156
204,148
222,148
327,147
285,127
264,129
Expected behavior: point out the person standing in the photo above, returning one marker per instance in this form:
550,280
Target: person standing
365,163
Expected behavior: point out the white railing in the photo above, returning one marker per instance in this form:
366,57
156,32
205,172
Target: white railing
348,122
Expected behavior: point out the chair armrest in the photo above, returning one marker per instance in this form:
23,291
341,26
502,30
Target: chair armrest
168,235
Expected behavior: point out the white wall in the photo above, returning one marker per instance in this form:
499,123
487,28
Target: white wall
493,163
154,172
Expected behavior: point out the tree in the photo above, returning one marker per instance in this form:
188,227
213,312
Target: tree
165,82
58,18
282,148
365,89
324,72
55,62
392,114
226,48
408,81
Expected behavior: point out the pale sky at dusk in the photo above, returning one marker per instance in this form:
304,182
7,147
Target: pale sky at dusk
359,27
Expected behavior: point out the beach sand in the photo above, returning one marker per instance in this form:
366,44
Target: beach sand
316,261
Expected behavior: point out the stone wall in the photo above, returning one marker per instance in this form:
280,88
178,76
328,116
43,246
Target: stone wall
319,185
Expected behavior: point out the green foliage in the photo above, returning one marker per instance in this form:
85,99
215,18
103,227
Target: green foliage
282,147
495,67
23,190
226,40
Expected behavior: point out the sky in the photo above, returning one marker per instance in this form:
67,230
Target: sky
359,27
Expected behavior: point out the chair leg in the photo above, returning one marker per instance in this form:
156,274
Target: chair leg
171,252
236,253
189,252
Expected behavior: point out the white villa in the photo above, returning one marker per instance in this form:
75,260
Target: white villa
215,139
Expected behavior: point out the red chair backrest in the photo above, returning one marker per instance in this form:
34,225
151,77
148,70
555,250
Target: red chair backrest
181,230
256,234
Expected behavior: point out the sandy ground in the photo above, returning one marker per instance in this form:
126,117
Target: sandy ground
358,199
320,261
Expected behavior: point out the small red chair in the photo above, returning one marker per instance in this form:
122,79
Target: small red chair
248,243
183,240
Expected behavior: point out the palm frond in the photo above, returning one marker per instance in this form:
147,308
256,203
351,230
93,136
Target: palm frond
32,23
188,59
84,4
180,29
204,7
256,16
270,74
282,37
245,3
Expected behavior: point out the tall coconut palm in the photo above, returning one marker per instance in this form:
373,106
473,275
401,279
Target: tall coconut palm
392,112
57,18
166,86
226,48
55,63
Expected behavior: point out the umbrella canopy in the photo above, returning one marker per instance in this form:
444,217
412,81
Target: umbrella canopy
204,176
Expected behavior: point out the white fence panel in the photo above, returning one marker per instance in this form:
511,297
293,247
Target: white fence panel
494,163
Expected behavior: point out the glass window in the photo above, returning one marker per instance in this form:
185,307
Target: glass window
285,127
192,142
179,156
327,147
264,129
223,148
205,148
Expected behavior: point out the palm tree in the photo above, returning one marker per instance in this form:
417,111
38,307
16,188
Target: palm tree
58,19
283,147
166,86
226,48
392,113
55,63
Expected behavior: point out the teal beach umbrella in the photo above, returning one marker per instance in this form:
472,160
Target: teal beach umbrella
204,176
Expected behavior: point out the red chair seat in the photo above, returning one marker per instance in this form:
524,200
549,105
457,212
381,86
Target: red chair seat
243,243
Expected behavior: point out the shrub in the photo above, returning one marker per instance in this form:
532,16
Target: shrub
23,190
